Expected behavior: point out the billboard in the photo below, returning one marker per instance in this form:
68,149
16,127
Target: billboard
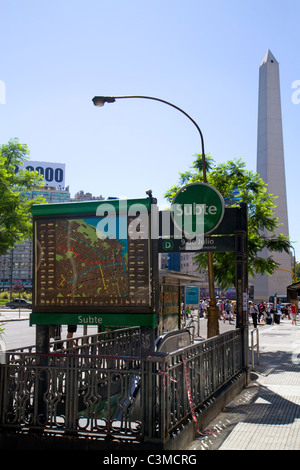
53,173
93,257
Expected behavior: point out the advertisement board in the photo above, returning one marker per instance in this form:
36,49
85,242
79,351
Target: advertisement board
53,173
169,308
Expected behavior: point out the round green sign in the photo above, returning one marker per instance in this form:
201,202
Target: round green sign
197,209
167,245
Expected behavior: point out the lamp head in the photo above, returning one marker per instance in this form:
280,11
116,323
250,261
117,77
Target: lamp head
101,100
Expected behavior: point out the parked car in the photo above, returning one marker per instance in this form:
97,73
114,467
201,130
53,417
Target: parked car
19,303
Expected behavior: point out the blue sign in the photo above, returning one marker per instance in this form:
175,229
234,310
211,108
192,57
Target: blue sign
192,295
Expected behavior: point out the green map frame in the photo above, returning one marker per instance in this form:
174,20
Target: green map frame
77,273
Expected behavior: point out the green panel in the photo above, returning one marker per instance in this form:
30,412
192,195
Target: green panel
203,244
109,319
77,270
198,208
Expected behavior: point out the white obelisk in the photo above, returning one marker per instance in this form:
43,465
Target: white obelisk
270,167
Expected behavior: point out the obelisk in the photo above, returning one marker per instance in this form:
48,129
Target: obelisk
270,167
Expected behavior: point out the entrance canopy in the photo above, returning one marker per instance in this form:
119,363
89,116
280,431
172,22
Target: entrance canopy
293,291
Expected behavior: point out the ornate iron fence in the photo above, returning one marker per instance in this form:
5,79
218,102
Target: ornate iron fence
101,387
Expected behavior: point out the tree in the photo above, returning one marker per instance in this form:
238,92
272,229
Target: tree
15,215
237,184
297,271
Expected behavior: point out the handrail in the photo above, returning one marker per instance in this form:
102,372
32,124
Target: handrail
101,393
254,346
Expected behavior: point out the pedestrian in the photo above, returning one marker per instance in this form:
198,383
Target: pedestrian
228,311
205,306
254,313
277,314
260,307
293,313
262,311
202,309
269,312
220,307
285,311
234,310
188,312
71,330
272,314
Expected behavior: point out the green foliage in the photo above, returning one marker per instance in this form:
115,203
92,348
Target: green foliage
298,270
5,296
15,215
237,184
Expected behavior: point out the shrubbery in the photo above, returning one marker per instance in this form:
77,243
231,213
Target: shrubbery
5,296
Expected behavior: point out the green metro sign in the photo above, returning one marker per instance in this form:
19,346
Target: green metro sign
197,209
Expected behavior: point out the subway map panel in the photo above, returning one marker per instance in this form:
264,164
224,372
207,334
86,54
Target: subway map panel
76,270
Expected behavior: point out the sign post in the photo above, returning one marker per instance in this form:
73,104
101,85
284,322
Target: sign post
230,235
198,209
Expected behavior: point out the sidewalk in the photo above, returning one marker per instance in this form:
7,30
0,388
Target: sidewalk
266,415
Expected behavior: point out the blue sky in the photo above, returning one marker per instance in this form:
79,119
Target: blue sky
204,57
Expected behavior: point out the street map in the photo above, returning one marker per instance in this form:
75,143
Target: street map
88,265
77,268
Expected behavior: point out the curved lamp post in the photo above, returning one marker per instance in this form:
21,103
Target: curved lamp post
213,311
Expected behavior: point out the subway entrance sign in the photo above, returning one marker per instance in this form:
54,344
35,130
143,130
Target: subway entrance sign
94,263
230,235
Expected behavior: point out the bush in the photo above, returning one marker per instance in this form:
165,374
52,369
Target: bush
5,296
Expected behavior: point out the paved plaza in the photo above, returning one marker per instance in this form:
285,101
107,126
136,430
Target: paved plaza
266,415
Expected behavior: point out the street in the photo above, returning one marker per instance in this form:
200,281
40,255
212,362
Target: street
18,333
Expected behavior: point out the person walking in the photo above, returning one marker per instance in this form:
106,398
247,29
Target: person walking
262,312
278,314
254,313
293,313
228,311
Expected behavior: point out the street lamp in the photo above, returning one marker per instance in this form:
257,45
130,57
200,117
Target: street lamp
213,311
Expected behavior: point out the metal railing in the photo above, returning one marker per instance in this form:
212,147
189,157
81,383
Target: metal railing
102,387
197,371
